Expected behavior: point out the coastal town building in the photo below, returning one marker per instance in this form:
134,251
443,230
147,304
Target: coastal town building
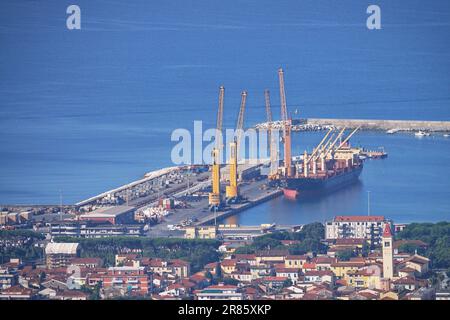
357,227
91,229
388,253
201,232
219,292
342,268
127,279
113,215
60,254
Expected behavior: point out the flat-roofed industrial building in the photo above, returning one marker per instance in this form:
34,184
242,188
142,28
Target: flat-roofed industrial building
113,215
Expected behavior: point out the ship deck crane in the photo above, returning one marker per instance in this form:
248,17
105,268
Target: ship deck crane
286,126
330,147
348,138
316,149
232,191
215,197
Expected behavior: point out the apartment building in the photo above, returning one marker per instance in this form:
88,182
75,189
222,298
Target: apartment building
60,254
219,292
356,227
128,279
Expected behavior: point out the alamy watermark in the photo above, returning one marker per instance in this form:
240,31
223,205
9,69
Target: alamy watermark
374,20
73,21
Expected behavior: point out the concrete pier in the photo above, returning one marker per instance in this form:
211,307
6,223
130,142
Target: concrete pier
268,195
370,124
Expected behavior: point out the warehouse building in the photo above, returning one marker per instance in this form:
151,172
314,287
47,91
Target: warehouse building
112,215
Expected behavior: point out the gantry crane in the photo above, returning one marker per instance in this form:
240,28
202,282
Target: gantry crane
232,191
215,197
286,126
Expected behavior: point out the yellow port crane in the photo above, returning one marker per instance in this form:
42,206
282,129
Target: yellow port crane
215,197
273,173
232,191
286,126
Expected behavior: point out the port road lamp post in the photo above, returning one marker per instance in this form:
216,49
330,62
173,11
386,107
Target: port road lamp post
215,216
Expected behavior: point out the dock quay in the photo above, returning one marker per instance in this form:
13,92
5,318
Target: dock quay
317,124
254,191
234,209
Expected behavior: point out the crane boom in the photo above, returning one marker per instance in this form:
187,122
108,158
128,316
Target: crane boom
320,144
286,125
271,138
325,146
240,119
327,151
231,191
267,101
220,117
348,138
214,198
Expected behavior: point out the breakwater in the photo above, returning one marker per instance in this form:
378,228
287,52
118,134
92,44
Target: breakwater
371,124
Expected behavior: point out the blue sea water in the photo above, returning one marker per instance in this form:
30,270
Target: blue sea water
84,111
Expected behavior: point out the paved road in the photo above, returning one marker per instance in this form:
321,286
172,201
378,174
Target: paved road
200,210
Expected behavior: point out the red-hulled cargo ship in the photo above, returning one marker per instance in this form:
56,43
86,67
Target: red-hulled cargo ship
323,172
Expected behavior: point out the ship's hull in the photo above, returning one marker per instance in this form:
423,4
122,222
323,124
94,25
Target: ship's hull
304,187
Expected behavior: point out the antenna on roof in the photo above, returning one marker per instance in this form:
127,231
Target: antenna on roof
60,205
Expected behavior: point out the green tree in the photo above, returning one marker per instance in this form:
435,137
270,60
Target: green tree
437,237
345,255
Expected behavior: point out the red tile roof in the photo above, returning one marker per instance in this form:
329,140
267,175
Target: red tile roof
323,260
72,294
221,286
319,273
387,230
274,279
419,243
228,262
405,280
179,263
211,265
18,290
309,265
242,256
197,277
287,270
86,261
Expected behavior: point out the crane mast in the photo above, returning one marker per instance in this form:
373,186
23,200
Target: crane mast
271,138
240,120
267,101
232,192
286,126
220,119
214,198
